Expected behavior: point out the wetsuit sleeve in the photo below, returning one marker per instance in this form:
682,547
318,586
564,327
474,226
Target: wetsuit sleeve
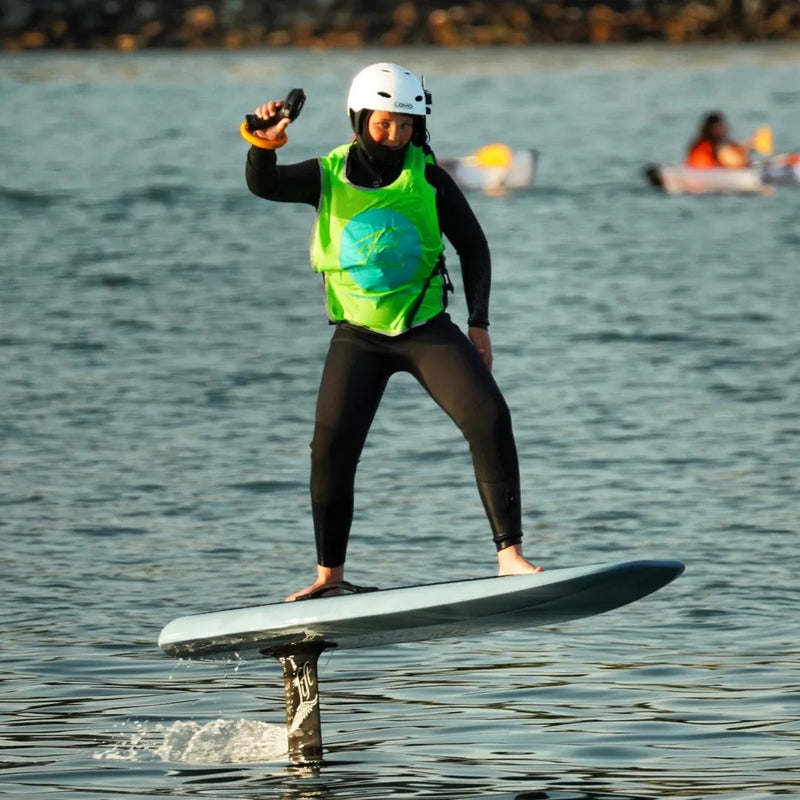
462,229
290,183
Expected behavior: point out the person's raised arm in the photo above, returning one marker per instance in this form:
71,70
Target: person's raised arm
292,183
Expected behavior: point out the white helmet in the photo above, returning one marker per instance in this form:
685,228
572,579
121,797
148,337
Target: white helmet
387,87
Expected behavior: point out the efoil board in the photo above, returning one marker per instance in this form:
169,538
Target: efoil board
414,613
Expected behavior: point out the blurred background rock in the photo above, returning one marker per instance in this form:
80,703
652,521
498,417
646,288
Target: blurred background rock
237,24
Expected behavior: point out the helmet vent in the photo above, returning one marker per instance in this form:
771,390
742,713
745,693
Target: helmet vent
385,94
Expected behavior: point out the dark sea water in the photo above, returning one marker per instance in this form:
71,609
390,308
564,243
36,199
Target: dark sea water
161,338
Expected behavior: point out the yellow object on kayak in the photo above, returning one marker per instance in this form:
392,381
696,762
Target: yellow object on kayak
494,155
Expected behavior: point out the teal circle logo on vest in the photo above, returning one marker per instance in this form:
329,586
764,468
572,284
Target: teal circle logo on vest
380,250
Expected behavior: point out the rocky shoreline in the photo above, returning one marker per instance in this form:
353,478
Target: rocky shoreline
128,25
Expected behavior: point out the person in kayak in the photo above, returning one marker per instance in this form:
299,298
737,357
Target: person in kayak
713,147
383,206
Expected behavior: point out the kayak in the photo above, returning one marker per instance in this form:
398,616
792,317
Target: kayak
757,179
494,169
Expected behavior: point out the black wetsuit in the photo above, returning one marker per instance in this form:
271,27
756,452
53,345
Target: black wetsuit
360,362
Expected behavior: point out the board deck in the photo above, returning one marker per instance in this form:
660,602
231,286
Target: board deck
414,613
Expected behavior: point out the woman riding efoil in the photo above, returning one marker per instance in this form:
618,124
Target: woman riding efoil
383,206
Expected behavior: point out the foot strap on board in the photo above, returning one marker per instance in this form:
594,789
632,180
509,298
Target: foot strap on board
343,587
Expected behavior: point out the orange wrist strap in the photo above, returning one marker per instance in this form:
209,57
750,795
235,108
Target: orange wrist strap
264,144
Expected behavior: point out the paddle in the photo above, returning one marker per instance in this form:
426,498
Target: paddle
762,142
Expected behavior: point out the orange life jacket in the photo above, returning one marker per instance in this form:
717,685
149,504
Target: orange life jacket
702,156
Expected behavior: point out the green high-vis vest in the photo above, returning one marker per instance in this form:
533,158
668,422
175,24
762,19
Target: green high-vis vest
380,249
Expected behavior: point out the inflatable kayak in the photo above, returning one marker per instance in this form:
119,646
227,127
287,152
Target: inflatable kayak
677,179
494,169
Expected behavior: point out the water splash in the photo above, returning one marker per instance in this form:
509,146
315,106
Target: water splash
217,742
223,742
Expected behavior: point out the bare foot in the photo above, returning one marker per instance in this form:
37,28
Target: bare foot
325,575
510,561
316,586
